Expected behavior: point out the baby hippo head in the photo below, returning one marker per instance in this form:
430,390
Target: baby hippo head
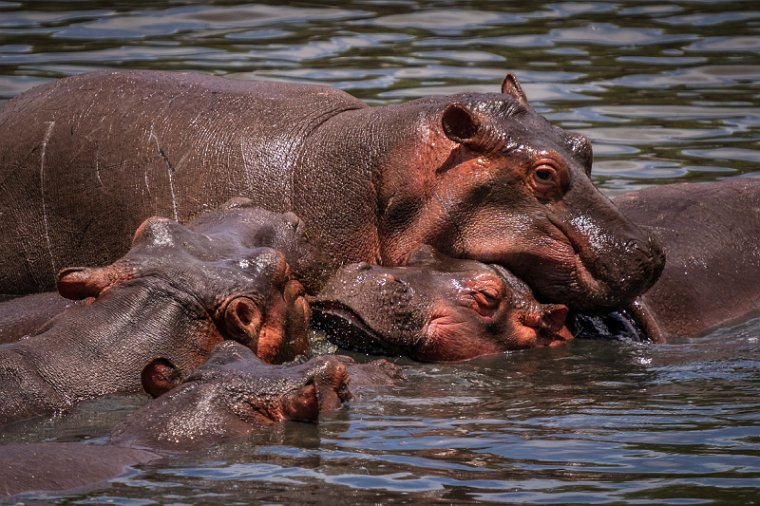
230,395
213,273
436,309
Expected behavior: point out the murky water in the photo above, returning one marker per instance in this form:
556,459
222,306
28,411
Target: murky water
667,91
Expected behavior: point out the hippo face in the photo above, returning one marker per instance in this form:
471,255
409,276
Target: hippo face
436,309
230,395
512,189
216,273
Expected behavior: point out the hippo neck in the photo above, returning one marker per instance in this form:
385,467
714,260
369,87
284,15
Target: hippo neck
373,155
116,336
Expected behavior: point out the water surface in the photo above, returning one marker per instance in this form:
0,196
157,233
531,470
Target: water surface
666,91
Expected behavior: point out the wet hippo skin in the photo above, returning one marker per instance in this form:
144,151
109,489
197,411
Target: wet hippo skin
476,175
230,396
436,308
178,292
711,235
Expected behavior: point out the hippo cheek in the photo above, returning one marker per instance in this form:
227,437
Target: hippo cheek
454,334
284,330
298,318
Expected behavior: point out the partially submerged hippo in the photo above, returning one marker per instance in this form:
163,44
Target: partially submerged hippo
435,309
711,233
84,159
178,292
712,277
231,395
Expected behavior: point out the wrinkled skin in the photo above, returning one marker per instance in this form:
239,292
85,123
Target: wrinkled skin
710,232
85,159
178,292
435,309
230,396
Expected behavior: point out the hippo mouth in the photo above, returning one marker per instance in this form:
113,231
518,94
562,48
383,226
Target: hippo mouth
345,327
569,268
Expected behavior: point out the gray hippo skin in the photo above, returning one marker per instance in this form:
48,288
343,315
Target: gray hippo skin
85,159
435,309
23,316
230,396
711,233
178,292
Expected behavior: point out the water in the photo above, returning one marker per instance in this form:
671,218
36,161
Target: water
666,91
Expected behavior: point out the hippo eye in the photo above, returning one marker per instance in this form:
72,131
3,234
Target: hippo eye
545,180
487,301
544,174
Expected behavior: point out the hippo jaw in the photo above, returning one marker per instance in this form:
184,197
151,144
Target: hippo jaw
346,327
592,262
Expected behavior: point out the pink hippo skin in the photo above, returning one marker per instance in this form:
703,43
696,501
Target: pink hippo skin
85,159
435,309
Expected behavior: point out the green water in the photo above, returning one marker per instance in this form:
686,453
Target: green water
667,91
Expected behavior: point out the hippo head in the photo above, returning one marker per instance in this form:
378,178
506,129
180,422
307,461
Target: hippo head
230,395
435,309
243,291
510,188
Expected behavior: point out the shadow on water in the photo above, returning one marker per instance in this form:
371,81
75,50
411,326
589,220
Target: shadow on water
666,91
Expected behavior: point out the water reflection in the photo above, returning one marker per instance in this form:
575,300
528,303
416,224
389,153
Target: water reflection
666,91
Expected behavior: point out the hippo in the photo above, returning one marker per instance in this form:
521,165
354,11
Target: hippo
230,396
710,233
85,159
23,316
435,308
178,292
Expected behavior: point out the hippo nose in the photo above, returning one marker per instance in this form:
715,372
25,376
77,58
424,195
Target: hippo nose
331,380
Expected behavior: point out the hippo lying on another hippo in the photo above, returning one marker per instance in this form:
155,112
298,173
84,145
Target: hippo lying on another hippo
439,309
178,292
435,308
231,395
85,159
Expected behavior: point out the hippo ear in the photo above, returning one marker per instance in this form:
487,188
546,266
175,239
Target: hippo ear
160,376
242,320
78,283
465,126
511,86
460,124
554,316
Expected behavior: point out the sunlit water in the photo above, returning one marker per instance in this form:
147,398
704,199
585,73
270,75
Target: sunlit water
666,91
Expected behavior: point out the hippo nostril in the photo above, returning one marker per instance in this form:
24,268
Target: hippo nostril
363,266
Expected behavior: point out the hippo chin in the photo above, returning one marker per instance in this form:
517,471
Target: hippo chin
435,309
480,176
177,293
232,395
